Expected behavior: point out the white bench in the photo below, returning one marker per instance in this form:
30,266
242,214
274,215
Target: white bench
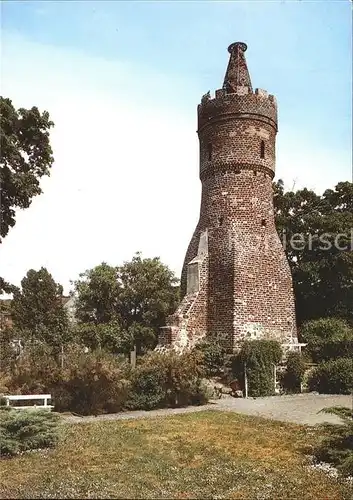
20,397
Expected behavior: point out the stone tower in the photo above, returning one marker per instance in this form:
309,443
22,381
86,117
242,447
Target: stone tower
236,281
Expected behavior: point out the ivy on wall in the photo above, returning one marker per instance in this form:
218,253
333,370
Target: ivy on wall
259,358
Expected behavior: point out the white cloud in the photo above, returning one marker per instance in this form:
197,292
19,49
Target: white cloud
126,171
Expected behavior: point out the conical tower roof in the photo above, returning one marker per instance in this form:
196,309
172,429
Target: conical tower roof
237,74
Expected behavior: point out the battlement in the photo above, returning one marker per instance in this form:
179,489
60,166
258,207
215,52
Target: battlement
242,102
241,90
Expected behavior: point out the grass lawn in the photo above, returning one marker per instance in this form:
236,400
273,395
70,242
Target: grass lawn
197,455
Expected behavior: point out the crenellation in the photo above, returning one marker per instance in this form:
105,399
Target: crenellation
262,93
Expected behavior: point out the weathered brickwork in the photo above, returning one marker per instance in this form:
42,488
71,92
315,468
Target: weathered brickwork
244,286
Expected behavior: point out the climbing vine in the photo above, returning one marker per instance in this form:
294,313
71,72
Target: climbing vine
259,358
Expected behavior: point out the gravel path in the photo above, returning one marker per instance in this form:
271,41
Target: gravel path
300,409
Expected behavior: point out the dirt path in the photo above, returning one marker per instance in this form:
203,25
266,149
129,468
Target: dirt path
300,409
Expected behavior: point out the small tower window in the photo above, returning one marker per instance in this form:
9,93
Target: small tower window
220,221
209,151
263,223
262,150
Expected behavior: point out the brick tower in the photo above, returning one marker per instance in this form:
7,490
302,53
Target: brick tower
236,281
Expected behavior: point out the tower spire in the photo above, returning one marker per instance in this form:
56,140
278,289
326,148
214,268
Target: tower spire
237,74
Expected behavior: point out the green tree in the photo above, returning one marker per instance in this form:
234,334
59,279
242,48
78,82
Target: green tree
98,292
148,294
109,336
135,297
321,259
37,308
5,287
25,157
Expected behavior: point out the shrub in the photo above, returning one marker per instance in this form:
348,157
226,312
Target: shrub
333,377
35,371
327,338
259,356
98,382
87,383
27,430
5,381
334,349
183,378
199,393
213,356
147,389
337,446
91,383
293,375
167,379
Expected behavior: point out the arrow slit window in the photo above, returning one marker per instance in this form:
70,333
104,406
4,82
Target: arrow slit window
262,149
209,151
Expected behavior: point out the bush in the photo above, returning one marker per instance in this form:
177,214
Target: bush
91,383
334,349
22,430
35,371
333,377
337,446
213,356
292,377
259,356
168,379
98,382
327,338
147,389
88,383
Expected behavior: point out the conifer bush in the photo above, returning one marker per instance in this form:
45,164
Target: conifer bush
336,447
23,430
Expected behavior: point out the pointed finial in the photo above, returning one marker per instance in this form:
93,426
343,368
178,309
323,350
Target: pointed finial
241,45
237,74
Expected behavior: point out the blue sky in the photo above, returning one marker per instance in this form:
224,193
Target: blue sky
299,50
122,81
